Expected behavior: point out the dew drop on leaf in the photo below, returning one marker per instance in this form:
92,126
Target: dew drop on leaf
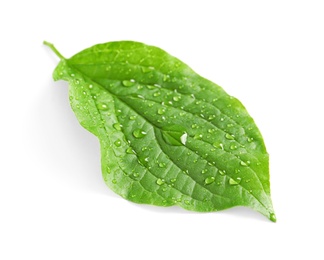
161,164
160,181
233,147
174,135
233,182
128,83
229,137
245,164
117,143
209,180
161,111
139,133
129,150
102,106
147,69
176,98
117,126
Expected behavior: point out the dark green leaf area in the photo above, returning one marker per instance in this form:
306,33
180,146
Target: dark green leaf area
168,136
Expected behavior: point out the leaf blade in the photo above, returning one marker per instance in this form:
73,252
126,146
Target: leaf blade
223,163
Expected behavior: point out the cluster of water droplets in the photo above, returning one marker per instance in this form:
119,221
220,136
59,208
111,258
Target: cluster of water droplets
162,111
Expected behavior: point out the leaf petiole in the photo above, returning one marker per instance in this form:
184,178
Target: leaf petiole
51,45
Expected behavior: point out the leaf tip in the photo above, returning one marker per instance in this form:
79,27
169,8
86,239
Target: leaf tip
273,217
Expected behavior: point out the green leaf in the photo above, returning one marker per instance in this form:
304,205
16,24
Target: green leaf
168,136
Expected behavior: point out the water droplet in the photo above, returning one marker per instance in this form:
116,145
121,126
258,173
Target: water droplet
174,135
147,69
108,170
182,113
90,86
166,77
139,133
204,171
129,150
233,147
222,119
176,98
211,117
162,164
114,181
194,126
144,149
161,111
250,139
117,126
117,143
157,93
135,174
233,182
198,136
187,202
245,164
230,125
229,137
222,172
150,87
173,180
160,181
132,117
128,83
237,170
218,145
273,217
209,180
103,106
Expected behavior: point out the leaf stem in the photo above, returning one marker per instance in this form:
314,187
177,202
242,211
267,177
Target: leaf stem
54,49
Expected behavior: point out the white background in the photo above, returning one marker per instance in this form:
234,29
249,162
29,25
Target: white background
53,201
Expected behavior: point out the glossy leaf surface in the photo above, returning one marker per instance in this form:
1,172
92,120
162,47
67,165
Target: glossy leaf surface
168,136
